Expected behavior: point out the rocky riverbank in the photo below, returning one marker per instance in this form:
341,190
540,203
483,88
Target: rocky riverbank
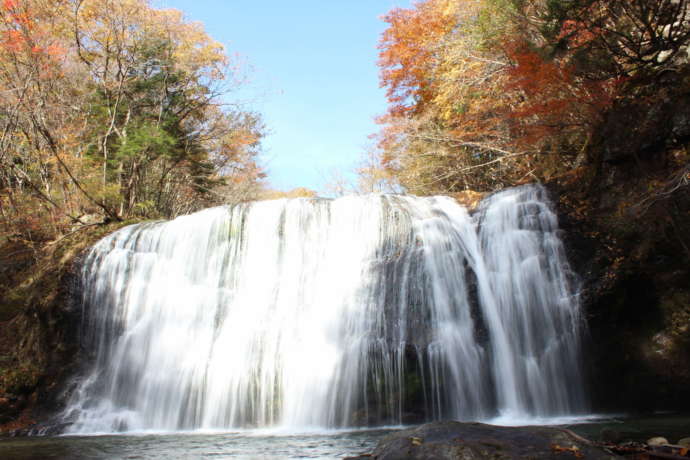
477,441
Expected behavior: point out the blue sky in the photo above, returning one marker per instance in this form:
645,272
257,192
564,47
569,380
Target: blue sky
313,77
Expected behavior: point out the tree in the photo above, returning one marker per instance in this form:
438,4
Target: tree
158,95
489,93
115,108
446,100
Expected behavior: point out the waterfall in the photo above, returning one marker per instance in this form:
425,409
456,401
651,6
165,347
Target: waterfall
362,310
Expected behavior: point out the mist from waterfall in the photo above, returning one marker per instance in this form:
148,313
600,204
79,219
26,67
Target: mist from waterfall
303,313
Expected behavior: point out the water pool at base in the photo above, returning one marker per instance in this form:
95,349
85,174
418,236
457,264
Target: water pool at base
193,446
265,444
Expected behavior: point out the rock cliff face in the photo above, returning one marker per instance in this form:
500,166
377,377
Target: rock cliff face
637,303
627,224
39,325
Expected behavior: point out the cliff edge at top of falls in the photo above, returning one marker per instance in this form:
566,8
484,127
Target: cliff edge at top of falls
470,441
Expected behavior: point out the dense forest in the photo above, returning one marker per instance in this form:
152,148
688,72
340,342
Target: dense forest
114,109
490,93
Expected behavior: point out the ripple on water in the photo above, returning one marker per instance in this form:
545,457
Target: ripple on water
335,445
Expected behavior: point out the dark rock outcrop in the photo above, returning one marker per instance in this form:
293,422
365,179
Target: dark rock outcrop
635,291
626,221
470,441
39,325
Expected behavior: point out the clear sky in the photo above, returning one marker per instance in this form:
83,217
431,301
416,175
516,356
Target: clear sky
313,77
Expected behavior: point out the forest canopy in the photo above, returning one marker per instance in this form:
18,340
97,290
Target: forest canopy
490,93
111,109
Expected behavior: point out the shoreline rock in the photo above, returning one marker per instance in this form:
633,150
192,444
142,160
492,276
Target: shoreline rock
474,441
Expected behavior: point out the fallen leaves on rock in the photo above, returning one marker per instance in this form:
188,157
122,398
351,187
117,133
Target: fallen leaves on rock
573,450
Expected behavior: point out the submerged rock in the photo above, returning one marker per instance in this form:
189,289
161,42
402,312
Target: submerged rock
610,435
470,441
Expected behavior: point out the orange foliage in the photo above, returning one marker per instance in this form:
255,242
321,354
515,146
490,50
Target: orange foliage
10,4
407,51
18,13
485,93
22,34
13,41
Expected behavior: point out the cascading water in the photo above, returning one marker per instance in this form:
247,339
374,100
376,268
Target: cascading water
330,313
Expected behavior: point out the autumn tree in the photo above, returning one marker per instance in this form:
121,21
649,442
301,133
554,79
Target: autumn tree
116,108
446,101
40,113
489,93
157,95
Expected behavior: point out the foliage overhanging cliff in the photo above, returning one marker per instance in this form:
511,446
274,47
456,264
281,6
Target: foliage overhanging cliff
490,93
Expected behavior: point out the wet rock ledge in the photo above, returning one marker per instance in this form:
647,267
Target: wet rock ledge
470,441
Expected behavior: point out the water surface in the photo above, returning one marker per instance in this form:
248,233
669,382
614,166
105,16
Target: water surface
264,444
334,445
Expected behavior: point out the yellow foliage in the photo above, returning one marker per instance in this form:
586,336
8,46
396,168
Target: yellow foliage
299,192
123,25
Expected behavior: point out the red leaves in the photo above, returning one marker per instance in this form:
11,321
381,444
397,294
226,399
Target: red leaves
18,14
554,98
531,73
17,25
13,40
10,5
25,37
577,33
54,50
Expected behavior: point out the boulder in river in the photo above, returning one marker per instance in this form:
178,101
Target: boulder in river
657,441
474,441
